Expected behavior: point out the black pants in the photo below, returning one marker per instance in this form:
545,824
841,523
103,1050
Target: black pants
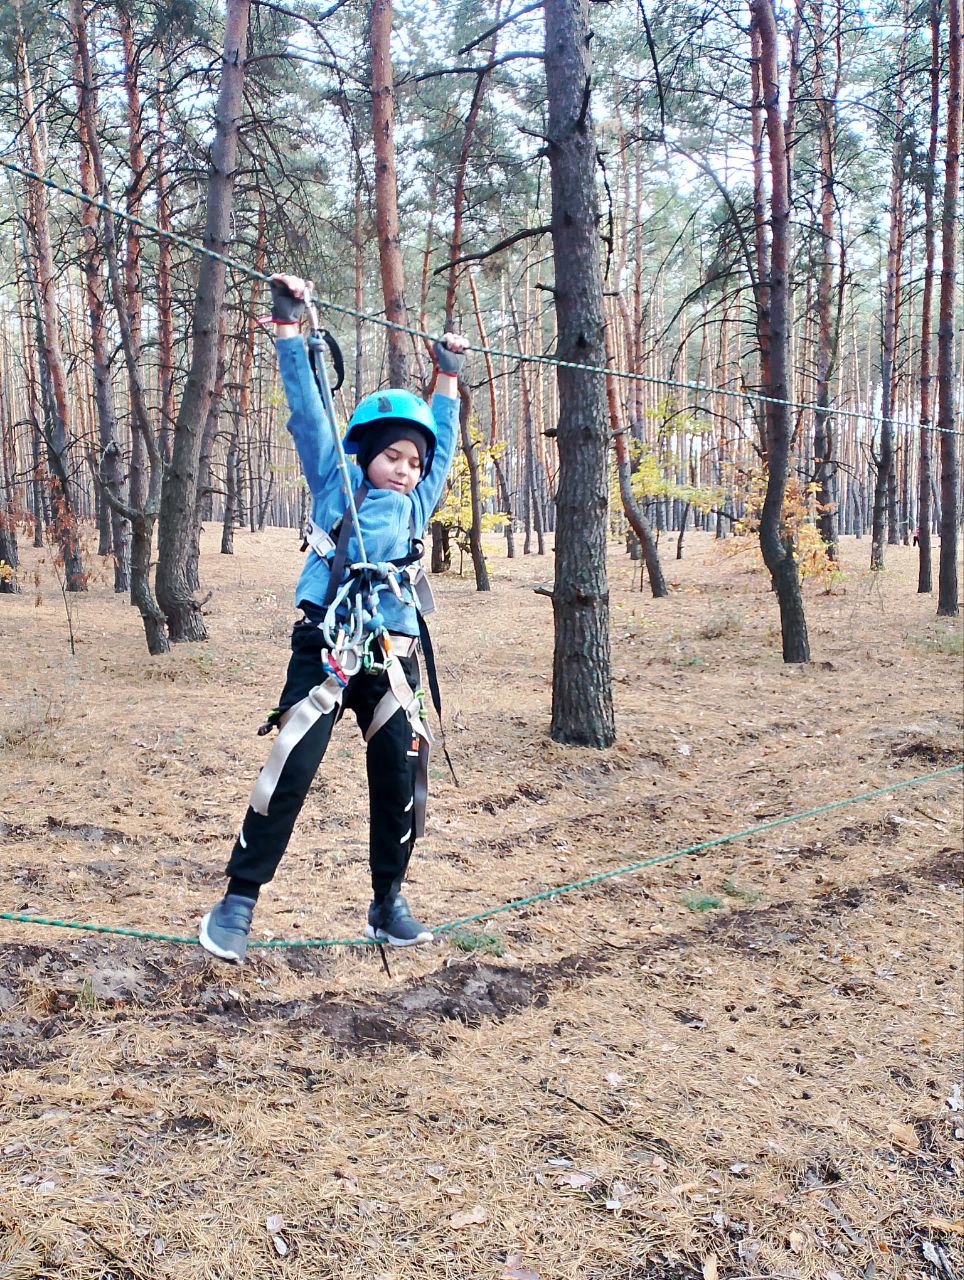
391,761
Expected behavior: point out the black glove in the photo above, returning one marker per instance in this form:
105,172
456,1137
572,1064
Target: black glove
285,307
446,360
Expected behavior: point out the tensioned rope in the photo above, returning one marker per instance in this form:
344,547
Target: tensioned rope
697,388
514,904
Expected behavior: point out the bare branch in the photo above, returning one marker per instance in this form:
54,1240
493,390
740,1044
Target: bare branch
537,54
526,234
466,48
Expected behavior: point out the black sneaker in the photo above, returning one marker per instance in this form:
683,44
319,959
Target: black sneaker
391,921
224,930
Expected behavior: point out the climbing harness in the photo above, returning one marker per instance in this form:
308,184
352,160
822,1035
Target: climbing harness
353,628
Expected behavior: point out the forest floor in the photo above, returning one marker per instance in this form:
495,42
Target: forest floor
741,1063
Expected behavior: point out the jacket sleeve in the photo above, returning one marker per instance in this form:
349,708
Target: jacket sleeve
445,411
308,424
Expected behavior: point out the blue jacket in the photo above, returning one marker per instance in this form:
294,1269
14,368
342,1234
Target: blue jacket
385,516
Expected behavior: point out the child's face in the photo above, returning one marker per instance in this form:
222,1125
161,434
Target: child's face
398,467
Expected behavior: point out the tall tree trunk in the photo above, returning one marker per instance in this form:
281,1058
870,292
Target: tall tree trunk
947,423
761,226
582,707
243,403
140,461
886,478
505,501
58,515
386,189
231,489
358,246
925,465
776,541
111,464
9,501
469,447
202,502
533,505
165,296
143,518
634,514
57,413
176,519
828,316
441,557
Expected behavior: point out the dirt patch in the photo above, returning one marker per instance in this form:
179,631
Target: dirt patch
944,867
930,750
467,992
83,831
93,977
189,1127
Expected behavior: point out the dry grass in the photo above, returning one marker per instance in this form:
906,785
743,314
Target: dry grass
635,1089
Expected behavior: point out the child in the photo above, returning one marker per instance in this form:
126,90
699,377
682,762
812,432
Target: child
404,451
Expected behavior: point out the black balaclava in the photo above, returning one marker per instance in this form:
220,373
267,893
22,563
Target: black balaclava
378,437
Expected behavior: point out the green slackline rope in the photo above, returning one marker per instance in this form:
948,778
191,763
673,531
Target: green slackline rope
515,904
698,388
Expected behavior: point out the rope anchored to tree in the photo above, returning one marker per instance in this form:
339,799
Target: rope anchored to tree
514,904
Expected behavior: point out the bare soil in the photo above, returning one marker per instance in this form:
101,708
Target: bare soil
739,1064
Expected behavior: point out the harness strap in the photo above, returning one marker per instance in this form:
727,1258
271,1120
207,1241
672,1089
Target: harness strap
431,671
320,701
336,569
423,591
388,704
400,697
420,796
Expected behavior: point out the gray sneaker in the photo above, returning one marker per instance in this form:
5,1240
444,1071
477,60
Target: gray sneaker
224,930
391,921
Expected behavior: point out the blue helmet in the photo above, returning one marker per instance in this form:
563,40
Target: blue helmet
392,405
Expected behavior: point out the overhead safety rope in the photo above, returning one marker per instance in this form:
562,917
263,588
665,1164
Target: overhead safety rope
696,388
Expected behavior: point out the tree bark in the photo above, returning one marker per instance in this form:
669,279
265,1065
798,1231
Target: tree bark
165,296
140,460
358,245
176,518
455,249
828,316
111,463
9,502
634,514
505,501
533,504
761,227
947,423
582,707
885,481
776,542
441,548
202,502
475,495
57,414
142,519
243,403
386,189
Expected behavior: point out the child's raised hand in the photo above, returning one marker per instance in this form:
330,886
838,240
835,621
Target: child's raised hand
449,352
288,298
